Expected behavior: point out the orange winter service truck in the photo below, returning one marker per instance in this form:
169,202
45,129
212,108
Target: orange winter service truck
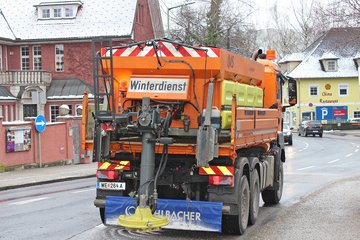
185,137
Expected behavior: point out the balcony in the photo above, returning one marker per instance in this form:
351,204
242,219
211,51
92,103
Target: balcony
25,78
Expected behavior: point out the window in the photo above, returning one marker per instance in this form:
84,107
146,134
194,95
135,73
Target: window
59,58
69,12
70,109
331,65
0,58
57,12
313,90
343,89
310,115
58,9
356,114
25,58
45,13
37,57
54,112
30,110
78,110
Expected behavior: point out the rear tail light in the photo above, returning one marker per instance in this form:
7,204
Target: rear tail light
107,126
307,126
107,174
221,180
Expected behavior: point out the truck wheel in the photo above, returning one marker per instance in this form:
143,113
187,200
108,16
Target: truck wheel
274,196
254,197
290,142
102,215
236,224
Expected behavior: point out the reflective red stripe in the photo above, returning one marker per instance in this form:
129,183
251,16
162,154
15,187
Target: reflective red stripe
184,51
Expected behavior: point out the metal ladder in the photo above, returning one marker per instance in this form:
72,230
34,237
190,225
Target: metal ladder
103,81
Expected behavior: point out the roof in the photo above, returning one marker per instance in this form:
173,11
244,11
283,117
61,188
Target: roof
113,18
5,94
292,57
67,89
5,31
337,43
328,56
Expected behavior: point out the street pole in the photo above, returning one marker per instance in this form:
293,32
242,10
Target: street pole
168,15
39,149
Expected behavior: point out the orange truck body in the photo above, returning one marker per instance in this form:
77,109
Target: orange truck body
259,128
224,138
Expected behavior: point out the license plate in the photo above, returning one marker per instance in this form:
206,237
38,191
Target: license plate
315,131
111,185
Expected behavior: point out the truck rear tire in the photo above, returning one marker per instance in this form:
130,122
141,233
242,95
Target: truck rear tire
237,224
254,197
274,196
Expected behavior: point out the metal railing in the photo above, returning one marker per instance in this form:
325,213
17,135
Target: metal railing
25,78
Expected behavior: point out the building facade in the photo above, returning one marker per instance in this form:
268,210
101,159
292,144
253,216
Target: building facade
46,49
328,81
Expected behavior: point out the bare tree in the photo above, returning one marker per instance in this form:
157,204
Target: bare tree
342,13
293,36
282,36
222,25
306,21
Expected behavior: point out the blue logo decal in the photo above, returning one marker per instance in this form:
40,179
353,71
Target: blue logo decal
182,214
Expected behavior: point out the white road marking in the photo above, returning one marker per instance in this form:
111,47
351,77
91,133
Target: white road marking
28,201
356,150
336,160
85,190
349,155
306,146
300,169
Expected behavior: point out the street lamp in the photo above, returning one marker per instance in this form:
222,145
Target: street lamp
168,14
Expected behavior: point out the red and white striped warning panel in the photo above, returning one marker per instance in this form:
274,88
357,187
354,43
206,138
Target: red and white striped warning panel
217,170
120,165
166,49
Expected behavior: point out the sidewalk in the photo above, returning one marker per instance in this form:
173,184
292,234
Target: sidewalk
37,176
355,133
329,213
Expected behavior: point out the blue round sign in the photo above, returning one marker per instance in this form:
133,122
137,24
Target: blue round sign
40,123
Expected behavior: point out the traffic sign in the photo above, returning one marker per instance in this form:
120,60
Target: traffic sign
331,112
40,123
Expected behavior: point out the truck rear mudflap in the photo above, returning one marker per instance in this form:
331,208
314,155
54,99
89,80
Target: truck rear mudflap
182,214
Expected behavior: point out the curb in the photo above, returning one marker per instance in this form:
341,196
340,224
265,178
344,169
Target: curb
45,182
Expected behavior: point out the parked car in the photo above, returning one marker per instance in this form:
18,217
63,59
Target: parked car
310,128
287,134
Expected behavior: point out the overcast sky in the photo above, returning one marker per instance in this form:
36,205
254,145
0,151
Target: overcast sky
260,16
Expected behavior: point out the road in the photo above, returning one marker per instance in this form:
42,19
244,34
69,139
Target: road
51,211
65,210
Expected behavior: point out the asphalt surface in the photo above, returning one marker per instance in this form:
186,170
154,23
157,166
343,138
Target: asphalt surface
332,212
